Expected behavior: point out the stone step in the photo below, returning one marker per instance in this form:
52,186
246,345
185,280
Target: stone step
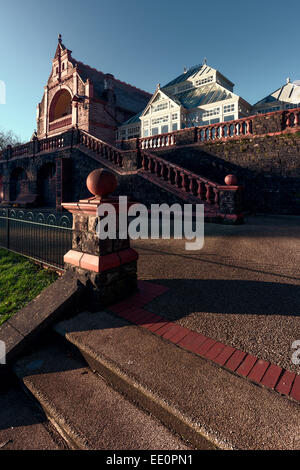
23,425
86,411
205,404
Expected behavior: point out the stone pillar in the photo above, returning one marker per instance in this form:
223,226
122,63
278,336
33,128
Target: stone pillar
108,268
231,201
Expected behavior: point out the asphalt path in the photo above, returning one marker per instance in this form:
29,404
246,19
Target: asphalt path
242,288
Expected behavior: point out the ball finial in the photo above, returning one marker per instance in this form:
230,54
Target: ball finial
230,180
101,182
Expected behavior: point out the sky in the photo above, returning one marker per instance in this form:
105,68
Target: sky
144,42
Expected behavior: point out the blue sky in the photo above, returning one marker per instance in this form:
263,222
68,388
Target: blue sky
255,44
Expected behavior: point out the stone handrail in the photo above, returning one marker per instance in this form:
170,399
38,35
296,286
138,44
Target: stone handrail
181,178
226,199
101,148
60,122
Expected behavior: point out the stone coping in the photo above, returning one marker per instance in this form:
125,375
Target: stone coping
22,328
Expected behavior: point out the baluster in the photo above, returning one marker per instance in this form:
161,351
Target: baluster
177,178
216,198
297,121
191,184
209,193
169,174
200,190
210,134
183,182
288,121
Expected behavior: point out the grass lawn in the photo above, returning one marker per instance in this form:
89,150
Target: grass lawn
20,281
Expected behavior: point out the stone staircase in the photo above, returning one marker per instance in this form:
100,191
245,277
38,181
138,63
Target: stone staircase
131,389
182,184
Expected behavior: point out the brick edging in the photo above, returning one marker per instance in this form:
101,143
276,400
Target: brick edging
261,372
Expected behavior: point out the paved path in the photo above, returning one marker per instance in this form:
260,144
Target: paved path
242,288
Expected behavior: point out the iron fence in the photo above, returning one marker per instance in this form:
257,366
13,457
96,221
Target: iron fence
42,235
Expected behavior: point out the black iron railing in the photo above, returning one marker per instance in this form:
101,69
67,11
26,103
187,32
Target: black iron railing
44,236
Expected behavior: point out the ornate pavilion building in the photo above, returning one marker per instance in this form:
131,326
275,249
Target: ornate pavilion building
199,96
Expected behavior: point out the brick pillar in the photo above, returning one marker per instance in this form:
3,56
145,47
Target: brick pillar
107,267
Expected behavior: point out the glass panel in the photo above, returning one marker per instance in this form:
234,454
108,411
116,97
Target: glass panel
174,126
154,131
229,118
164,129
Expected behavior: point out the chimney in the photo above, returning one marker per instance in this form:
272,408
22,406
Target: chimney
109,82
108,92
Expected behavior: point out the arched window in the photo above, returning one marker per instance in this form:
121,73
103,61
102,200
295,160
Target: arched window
61,105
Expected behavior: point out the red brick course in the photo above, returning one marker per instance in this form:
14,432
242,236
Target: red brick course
262,372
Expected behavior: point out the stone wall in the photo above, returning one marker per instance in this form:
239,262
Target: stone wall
268,167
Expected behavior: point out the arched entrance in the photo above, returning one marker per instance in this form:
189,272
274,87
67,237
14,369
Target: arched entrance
18,183
61,105
46,180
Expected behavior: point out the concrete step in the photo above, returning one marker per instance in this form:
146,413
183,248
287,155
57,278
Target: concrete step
23,425
205,404
86,411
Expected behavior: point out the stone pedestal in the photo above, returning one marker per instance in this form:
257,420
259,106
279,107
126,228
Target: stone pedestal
108,268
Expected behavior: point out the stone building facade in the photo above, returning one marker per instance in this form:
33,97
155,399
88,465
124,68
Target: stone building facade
77,95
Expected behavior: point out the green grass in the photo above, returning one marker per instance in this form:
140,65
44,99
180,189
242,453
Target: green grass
21,280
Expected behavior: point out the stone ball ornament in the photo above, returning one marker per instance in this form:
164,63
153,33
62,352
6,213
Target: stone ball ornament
231,180
101,182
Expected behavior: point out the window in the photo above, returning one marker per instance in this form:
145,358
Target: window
269,110
174,117
174,126
159,107
204,80
228,108
292,106
145,132
164,129
230,117
211,112
160,119
133,130
154,130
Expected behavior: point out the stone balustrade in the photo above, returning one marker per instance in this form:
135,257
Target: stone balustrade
256,125
101,148
182,179
61,122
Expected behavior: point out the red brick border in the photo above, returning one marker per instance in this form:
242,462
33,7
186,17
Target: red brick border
245,365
